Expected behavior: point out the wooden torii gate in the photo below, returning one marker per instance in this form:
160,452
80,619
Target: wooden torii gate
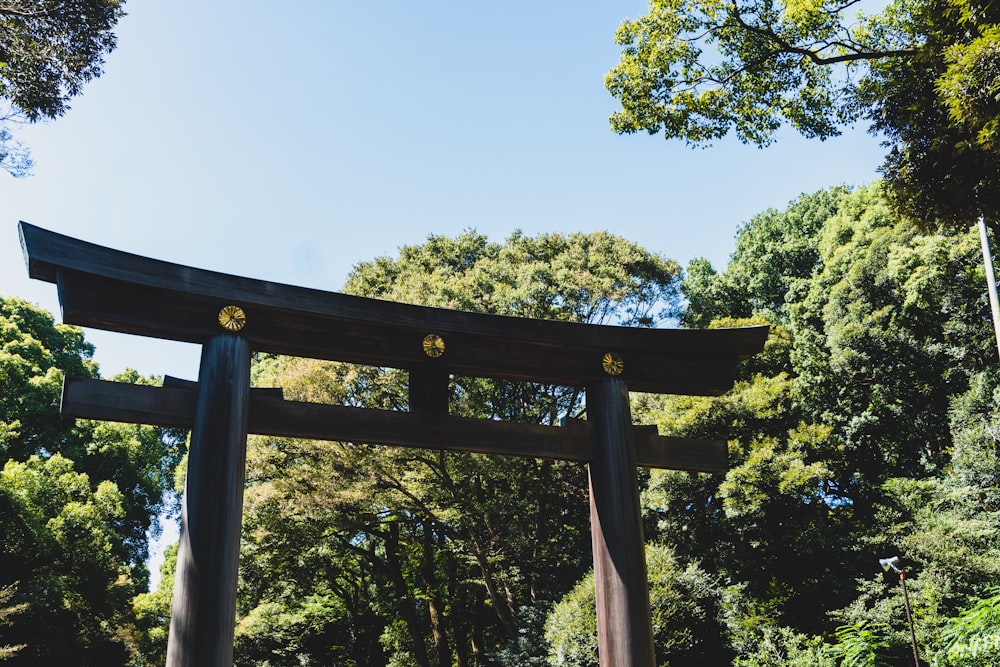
232,316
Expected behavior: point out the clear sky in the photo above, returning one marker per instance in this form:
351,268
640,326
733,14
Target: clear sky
290,141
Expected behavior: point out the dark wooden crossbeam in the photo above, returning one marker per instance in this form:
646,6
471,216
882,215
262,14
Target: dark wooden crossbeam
269,414
108,289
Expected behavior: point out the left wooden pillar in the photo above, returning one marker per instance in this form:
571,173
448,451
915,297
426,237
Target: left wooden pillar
203,617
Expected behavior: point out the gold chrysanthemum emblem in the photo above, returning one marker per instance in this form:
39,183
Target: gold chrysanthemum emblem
612,363
232,318
433,346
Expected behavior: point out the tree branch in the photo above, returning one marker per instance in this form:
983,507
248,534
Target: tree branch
815,55
7,10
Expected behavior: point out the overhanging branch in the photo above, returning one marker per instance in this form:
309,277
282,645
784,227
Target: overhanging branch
816,54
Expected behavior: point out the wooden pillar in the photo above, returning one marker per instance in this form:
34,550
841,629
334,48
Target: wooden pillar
429,390
203,617
624,631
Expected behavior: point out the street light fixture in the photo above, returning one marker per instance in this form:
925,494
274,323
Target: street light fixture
893,563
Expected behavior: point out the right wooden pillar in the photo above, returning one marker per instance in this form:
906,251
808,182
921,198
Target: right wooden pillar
624,630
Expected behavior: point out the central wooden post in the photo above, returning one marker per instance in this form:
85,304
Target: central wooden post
624,631
203,618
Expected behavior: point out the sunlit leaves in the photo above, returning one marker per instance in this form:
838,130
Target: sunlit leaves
50,49
77,500
923,75
970,86
852,437
684,603
697,69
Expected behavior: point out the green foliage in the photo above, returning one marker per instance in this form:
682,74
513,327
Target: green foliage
776,252
60,542
888,330
34,356
597,278
772,69
529,648
433,558
303,632
922,73
571,628
860,645
48,51
51,49
973,638
152,615
866,428
970,86
76,500
937,112
759,641
8,612
684,609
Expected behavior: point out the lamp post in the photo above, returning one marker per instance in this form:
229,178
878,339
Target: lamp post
893,563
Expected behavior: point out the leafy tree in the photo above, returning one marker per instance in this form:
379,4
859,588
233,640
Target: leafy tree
767,522
760,641
77,501
48,50
7,613
866,428
36,354
776,251
921,72
972,639
947,526
938,112
385,556
60,542
152,614
684,610
887,332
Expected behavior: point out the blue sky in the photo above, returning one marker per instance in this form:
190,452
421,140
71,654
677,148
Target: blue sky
291,141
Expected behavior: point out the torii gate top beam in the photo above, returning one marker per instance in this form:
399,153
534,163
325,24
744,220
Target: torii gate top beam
109,289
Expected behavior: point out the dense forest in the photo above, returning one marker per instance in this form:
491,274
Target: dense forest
868,428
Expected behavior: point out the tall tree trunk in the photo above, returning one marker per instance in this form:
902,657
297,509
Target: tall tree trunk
407,605
500,602
435,606
540,538
479,619
461,612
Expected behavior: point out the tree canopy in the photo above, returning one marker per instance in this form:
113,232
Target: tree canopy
922,73
77,503
48,50
853,437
